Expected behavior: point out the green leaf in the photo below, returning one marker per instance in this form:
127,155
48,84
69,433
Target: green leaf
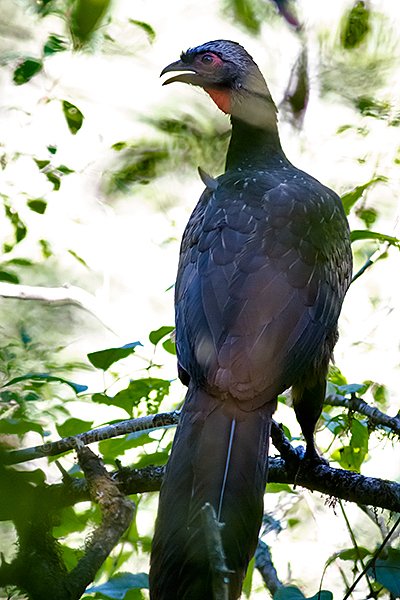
119,585
78,258
353,455
27,69
73,116
169,346
54,44
140,165
370,107
21,262
64,169
8,276
157,459
354,554
118,146
103,359
19,227
386,571
379,393
86,18
247,13
336,376
356,26
8,396
365,234
72,521
322,595
54,180
77,387
112,449
69,556
368,215
73,427
275,488
149,31
41,163
291,592
248,580
351,197
337,424
102,399
18,426
38,205
359,434
350,388
151,389
45,248
158,334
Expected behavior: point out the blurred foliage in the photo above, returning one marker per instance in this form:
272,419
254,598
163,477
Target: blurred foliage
250,14
356,25
298,90
365,69
140,161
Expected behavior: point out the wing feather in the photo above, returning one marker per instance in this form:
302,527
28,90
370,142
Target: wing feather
261,281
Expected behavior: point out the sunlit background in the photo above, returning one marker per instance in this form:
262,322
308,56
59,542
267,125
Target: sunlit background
109,221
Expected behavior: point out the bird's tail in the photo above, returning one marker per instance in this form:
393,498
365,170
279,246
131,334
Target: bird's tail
219,457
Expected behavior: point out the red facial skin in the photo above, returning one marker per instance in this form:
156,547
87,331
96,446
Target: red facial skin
212,62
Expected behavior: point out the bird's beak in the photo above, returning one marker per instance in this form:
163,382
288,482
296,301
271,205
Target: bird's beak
190,76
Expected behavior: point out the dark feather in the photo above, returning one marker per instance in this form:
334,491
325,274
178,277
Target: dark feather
218,458
264,266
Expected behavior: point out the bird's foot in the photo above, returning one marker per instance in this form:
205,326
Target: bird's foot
312,456
309,458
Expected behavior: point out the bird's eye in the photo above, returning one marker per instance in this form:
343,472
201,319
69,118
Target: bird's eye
207,59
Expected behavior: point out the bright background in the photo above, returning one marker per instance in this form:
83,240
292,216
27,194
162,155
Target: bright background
125,238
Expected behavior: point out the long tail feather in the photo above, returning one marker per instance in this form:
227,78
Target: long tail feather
220,458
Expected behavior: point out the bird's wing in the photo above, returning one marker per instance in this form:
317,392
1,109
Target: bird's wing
261,280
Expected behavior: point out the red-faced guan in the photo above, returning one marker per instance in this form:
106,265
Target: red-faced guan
264,266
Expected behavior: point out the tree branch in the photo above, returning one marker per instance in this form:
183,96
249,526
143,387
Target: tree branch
89,437
149,422
264,564
356,404
292,469
117,512
216,554
332,482
59,296
38,567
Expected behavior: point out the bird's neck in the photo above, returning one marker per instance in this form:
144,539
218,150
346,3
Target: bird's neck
254,146
255,139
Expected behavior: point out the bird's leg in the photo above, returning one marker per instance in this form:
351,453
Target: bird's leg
307,403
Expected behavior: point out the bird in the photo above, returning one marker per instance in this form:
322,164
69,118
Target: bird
264,266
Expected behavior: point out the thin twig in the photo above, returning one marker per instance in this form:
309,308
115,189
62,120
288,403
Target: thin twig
58,296
371,260
146,423
373,559
354,541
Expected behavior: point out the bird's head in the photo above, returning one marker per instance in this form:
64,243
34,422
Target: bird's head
229,75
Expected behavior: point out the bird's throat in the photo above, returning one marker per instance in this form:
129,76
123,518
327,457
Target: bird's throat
221,97
255,138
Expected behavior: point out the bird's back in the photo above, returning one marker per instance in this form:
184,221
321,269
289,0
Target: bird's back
263,271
